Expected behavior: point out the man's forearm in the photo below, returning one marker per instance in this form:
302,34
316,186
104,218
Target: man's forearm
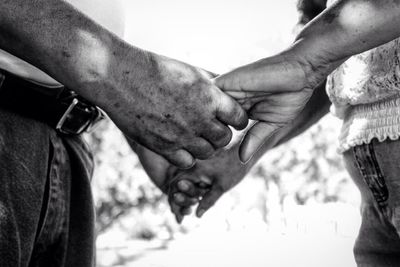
55,37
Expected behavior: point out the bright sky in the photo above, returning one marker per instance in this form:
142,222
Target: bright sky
213,34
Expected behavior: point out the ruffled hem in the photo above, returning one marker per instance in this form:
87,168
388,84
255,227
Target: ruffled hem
363,123
366,140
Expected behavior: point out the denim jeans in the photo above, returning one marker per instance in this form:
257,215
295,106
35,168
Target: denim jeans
375,168
46,207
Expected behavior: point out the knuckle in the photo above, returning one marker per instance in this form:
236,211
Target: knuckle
179,198
217,133
207,153
241,119
184,185
224,139
201,149
181,162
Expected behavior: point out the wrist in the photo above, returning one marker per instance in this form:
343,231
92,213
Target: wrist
315,63
127,71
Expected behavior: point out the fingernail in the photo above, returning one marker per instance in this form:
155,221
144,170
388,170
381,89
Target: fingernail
178,197
245,161
205,179
200,213
183,185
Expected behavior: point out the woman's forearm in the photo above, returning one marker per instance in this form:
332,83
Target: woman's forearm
350,27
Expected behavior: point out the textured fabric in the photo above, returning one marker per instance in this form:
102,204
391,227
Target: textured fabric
368,77
362,123
46,208
375,170
361,90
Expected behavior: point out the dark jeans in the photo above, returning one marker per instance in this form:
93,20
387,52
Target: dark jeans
375,168
46,207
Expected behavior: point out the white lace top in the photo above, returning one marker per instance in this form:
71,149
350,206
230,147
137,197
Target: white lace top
365,92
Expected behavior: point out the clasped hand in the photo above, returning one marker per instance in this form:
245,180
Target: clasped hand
273,91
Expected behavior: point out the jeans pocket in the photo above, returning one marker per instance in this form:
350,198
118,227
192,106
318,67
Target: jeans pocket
395,218
367,164
46,195
53,217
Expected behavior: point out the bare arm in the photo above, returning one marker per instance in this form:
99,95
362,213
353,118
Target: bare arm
57,38
349,27
147,95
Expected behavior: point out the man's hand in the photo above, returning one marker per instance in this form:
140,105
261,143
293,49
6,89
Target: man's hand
172,108
166,105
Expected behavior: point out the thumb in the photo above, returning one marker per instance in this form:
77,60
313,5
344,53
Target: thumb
257,135
231,81
250,79
269,75
208,200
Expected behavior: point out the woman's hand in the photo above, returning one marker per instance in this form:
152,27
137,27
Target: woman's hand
207,180
273,91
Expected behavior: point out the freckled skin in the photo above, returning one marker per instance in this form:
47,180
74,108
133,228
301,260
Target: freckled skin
177,105
66,54
329,18
166,105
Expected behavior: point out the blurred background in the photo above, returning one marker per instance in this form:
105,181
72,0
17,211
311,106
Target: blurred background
297,207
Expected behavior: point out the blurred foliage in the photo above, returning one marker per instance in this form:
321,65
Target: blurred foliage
306,169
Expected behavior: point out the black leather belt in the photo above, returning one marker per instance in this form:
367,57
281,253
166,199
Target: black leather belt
60,108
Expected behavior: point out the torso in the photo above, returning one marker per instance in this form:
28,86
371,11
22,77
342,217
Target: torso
365,92
108,13
366,78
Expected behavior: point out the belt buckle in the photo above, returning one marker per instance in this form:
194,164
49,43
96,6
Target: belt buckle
66,124
96,120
